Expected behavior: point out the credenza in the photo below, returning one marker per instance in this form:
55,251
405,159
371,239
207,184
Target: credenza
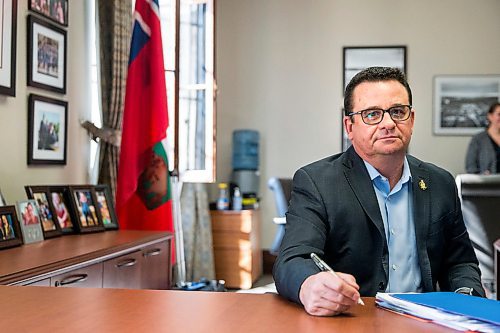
112,259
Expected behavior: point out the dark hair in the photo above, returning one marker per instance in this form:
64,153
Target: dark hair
374,74
493,107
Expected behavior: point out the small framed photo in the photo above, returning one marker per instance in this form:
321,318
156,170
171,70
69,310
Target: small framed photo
31,221
60,200
10,231
84,204
55,10
40,194
46,55
106,207
47,130
461,102
8,22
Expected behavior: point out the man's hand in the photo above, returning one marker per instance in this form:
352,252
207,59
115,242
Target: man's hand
325,294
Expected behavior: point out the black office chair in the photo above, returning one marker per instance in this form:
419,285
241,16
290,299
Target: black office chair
480,197
282,190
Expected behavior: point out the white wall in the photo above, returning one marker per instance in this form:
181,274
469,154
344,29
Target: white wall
14,171
279,70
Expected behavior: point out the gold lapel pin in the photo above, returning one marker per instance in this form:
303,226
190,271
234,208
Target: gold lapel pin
422,185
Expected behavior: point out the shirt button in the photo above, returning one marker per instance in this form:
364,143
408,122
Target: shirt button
392,231
394,267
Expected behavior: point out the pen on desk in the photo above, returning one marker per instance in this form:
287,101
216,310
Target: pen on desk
325,268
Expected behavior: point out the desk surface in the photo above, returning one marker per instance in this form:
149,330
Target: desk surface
46,309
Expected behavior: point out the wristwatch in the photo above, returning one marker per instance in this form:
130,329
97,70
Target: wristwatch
465,291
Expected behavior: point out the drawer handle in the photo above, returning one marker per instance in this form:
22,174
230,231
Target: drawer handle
126,263
72,279
152,253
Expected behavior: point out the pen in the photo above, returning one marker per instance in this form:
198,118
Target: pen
323,266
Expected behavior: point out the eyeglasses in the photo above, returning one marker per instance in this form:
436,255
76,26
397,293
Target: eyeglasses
375,116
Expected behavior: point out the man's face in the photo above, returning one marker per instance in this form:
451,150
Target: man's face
388,137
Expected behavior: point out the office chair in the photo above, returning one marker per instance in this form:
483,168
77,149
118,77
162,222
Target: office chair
282,190
480,198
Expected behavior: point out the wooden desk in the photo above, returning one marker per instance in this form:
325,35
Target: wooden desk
43,309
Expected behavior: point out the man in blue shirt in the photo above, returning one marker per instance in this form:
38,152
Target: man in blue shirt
383,220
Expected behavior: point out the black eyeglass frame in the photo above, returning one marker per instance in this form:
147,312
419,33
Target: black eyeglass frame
383,114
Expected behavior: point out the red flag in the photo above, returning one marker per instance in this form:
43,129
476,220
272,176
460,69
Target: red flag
143,190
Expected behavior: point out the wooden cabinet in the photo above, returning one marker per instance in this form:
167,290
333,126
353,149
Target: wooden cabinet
111,259
237,252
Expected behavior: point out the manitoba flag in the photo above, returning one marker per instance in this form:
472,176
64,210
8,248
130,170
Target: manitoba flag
143,189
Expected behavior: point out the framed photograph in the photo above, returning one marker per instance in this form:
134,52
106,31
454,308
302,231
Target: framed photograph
47,130
357,58
10,231
8,22
31,221
46,55
60,200
461,102
55,10
106,207
40,194
84,205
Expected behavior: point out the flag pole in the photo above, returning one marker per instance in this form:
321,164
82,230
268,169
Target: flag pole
180,259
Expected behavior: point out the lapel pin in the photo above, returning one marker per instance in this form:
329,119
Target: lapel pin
422,185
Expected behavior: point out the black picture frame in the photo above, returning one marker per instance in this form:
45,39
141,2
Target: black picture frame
106,207
41,195
357,58
55,10
13,236
62,208
47,46
47,130
86,219
8,22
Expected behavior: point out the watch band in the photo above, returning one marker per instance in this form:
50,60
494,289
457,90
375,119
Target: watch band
465,291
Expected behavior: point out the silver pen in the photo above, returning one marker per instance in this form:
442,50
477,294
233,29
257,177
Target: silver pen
323,266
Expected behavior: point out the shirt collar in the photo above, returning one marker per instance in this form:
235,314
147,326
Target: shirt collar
374,173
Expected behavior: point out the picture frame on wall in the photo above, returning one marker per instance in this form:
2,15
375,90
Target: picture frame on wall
10,231
461,103
84,204
54,10
106,206
60,201
41,195
47,130
8,22
30,221
46,55
357,58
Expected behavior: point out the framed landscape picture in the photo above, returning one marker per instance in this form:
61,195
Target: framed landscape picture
31,221
8,24
106,207
84,204
40,194
47,130
10,231
55,10
46,55
60,201
461,102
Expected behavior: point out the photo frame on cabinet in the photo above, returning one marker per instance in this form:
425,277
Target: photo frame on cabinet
46,55
54,10
8,22
47,130
461,102
84,204
30,220
106,207
10,231
41,196
357,58
60,201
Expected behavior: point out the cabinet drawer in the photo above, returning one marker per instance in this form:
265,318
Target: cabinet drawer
232,221
123,272
85,277
231,240
40,283
155,266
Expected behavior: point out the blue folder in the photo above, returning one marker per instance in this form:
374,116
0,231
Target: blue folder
471,306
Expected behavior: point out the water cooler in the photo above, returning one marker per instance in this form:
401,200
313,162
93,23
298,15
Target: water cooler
245,162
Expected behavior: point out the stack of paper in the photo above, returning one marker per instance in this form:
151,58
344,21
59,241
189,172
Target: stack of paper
457,311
